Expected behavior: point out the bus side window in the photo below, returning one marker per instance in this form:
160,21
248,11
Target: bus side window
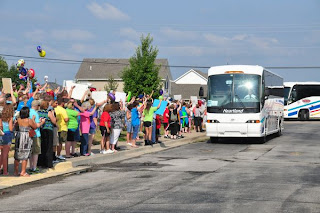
293,96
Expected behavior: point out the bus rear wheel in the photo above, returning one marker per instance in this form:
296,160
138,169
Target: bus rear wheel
304,115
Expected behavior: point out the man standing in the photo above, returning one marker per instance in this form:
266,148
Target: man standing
36,145
62,122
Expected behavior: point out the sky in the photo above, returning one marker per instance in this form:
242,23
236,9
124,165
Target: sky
194,34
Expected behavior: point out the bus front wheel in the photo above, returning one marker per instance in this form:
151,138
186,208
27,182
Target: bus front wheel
304,115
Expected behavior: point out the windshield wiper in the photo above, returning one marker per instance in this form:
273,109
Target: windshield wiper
240,101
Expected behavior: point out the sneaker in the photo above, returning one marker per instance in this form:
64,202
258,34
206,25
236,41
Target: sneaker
91,154
101,151
130,144
55,161
75,155
104,152
109,151
166,136
61,157
87,154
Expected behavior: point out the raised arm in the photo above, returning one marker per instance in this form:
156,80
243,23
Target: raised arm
159,104
44,86
84,96
70,92
94,110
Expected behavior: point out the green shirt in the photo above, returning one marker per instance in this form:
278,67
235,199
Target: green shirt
148,115
73,119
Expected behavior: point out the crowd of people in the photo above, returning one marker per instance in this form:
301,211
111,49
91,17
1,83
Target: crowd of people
41,122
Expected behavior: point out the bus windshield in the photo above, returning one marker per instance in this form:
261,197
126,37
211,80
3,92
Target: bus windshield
286,94
234,91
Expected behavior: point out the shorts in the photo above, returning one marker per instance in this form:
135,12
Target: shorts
36,146
63,136
135,132
104,132
147,124
92,131
129,127
55,136
71,135
77,135
6,139
165,126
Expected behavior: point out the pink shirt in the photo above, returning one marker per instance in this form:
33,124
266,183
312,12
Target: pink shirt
85,122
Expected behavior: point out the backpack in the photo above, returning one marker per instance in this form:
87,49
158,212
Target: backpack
173,117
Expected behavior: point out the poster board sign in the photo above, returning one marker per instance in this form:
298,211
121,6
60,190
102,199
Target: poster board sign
99,96
177,97
121,96
78,91
194,100
162,107
7,85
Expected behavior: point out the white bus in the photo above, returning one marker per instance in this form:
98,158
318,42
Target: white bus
244,101
301,100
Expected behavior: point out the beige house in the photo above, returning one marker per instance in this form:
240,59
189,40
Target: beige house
97,72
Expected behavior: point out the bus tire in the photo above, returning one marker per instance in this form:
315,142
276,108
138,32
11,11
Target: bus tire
262,140
304,115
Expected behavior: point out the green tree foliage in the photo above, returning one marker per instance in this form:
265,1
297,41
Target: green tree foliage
142,75
111,85
12,73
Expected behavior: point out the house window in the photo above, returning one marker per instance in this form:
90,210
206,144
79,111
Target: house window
166,85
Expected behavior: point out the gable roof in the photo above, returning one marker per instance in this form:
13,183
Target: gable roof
103,68
187,90
198,72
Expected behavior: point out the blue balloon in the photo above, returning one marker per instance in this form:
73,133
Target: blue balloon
140,96
39,49
23,71
161,91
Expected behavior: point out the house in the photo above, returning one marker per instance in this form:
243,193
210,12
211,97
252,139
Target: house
189,84
97,72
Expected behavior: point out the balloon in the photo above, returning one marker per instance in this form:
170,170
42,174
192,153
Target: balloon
140,96
20,63
42,53
129,97
23,71
24,78
39,49
161,91
111,95
31,73
160,97
92,89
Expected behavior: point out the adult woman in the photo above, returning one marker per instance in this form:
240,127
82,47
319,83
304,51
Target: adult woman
117,115
72,127
148,118
46,157
105,129
85,126
93,124
23,142
6,125
128,124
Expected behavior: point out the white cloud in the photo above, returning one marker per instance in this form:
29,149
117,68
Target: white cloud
130,33
178,34
36,35
107,11
72,34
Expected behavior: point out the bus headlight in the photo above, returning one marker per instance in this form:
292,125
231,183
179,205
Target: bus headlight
253,121
213,121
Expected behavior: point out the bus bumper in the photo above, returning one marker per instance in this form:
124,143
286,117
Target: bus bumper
235,129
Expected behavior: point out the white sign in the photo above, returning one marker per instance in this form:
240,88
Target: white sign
177,97
194,100
121,96
78,91
99,96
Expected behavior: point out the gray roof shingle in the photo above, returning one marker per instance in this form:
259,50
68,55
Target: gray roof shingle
103,68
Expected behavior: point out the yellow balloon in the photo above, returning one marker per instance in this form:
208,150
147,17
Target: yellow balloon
42,53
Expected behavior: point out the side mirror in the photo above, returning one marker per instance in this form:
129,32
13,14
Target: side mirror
201,92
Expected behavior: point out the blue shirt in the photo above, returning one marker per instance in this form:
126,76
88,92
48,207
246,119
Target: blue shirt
21,104
135,120
37,120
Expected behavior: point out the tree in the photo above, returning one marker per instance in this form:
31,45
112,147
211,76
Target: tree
142,75
12,73
111,85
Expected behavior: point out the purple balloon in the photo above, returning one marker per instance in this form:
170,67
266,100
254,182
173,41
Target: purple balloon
23,71
39,49
112,96
161,91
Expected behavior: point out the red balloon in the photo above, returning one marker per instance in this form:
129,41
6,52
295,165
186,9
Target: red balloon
31,73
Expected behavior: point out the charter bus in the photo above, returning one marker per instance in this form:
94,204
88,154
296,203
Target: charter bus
244,101
301,100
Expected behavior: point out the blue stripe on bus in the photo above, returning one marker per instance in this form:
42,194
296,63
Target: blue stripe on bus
315,107
293,113
303,105
262,120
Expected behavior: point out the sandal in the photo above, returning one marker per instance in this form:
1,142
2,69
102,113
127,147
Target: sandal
24,175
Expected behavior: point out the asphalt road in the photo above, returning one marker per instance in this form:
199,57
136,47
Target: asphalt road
282,175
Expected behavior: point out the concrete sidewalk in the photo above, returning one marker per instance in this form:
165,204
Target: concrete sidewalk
78,164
